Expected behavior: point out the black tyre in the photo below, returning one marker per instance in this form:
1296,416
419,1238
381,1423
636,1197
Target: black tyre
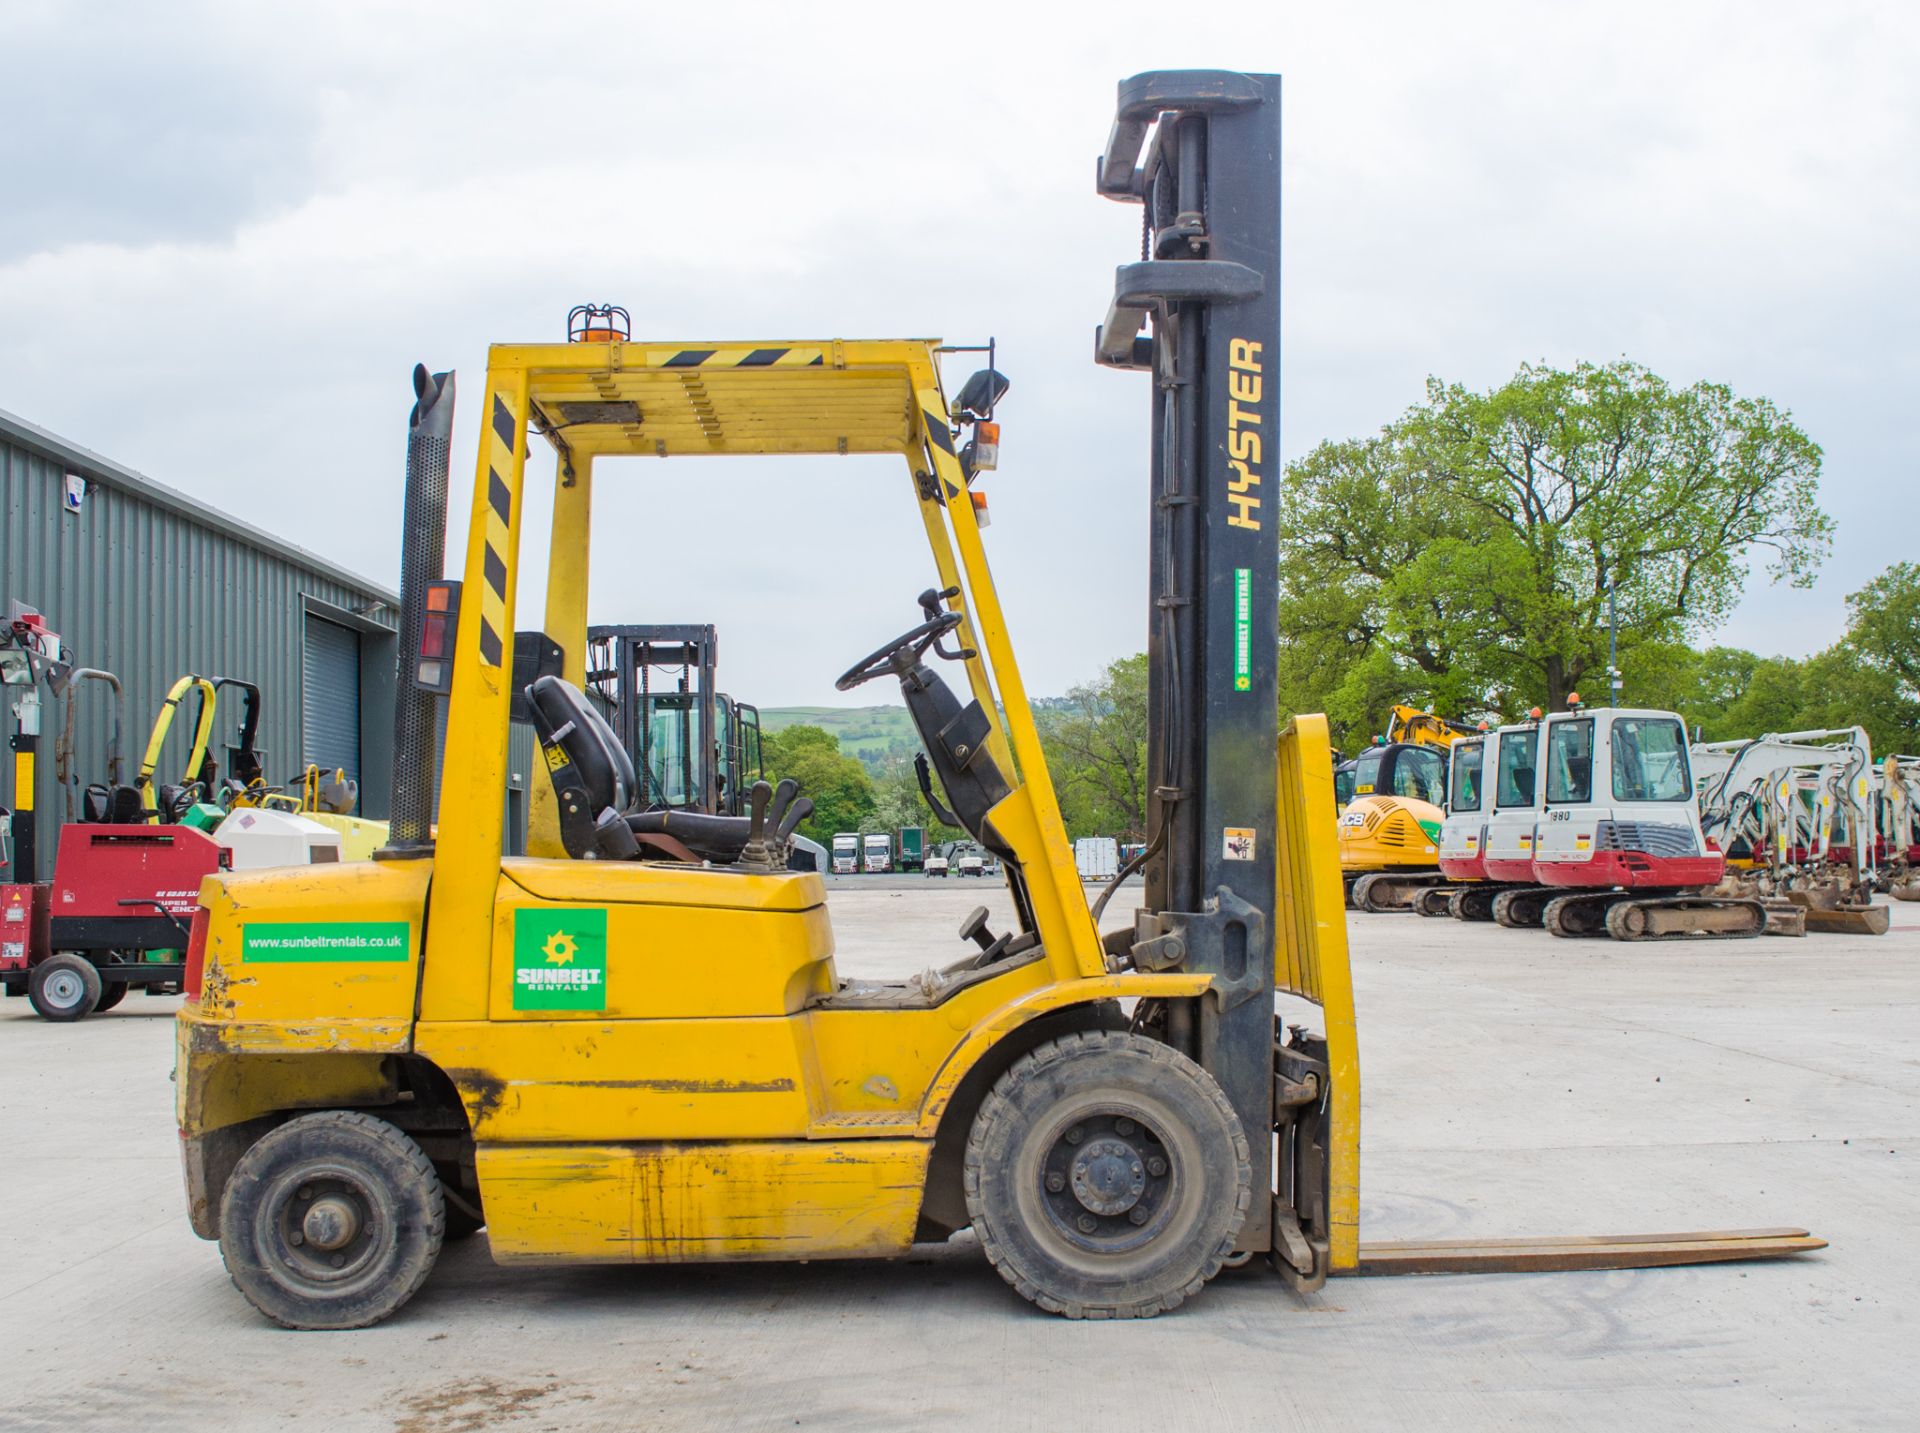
1107,1176
112,992
331,1221
64,988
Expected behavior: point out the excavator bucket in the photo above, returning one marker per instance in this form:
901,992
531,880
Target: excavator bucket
1830,913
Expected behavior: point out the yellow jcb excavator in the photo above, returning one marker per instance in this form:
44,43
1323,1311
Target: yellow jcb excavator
1390,822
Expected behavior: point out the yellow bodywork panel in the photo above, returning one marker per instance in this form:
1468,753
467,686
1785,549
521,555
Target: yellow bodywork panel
314,958
213,1087
571,1080
1311,956
654,941
691,1202
894,1070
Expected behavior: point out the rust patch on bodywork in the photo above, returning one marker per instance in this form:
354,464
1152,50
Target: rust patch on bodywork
483,1092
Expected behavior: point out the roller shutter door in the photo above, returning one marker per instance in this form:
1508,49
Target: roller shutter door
330,697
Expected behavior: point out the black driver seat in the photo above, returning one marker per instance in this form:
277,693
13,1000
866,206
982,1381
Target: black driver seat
593,778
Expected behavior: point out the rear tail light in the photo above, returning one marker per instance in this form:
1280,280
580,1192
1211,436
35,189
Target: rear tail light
196,954
433,671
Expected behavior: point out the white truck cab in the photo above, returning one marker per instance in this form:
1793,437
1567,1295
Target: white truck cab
846,853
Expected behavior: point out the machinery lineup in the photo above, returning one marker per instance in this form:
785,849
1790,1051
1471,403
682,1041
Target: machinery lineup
116,915
131,856
633,1045
1610,822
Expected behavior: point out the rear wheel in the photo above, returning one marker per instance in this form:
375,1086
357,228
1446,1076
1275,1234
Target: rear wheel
112,992
1107,1176
331,1221
64,988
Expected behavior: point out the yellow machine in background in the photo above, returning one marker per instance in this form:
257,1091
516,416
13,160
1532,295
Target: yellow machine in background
329,798
1390,825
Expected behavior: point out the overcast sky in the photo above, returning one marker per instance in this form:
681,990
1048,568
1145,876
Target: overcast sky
227,232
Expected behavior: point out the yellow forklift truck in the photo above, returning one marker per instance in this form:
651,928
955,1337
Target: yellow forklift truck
606,1054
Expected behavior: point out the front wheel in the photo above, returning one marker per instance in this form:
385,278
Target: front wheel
64,988
331,1221
1107,1176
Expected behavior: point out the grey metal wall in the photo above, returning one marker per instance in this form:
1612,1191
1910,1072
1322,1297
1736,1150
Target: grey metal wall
149,584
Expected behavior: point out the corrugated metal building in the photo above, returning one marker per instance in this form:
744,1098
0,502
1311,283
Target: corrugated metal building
147,583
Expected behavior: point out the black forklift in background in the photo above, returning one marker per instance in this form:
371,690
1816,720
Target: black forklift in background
656,685
694,748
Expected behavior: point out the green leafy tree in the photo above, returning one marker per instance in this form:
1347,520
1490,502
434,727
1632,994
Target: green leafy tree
1884,626
898,802
1461,559
842,792
1095,741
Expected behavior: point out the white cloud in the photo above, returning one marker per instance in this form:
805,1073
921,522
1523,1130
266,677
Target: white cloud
1715,190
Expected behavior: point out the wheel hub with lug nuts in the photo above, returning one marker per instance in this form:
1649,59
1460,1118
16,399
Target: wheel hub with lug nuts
1109,1176
1106,1183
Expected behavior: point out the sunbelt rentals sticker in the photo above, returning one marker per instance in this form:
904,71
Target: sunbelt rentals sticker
560,959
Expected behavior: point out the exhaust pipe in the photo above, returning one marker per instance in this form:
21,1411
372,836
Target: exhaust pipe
423,557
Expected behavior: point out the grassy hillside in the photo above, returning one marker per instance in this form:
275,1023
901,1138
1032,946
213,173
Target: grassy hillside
874,736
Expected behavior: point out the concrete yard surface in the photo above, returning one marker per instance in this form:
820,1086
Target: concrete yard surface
1514,1085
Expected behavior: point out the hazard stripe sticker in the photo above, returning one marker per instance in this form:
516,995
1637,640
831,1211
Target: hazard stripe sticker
502,434
711,358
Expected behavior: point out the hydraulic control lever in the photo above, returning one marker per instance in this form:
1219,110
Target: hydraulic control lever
974,928
930,604
796,813
766,808
783,795
756,852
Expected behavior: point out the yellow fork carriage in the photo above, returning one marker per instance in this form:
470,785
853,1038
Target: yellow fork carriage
632,1045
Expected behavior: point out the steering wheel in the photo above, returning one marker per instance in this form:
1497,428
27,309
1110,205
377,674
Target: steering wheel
185,798
888,660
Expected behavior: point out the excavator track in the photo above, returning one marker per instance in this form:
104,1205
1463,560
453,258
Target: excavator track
1383,891
1474,903
1685,918
1523,907
1556,1255
1583,915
